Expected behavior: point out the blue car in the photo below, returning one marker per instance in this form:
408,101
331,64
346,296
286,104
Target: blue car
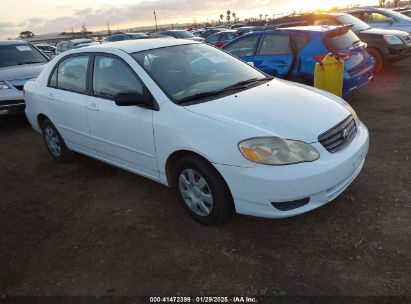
291,53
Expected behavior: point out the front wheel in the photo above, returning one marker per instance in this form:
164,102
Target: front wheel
55,143
203,191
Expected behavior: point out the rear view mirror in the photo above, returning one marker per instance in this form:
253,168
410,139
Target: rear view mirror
134,99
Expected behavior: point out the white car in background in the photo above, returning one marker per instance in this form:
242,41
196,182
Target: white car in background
186,114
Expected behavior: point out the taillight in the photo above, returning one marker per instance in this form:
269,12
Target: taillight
343,57
319,57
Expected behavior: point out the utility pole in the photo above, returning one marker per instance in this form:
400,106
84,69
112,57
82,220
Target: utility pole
155,18
108,29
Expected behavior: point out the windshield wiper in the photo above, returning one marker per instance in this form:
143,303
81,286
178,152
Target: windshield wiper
249,81
356,42
30,62
199,96
237,86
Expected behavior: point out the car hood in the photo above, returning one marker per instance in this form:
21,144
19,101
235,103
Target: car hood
26,71
379,32
278,108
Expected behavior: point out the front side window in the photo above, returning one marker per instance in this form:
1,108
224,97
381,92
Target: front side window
19,54
243,47
112,76
375,18
71,74
185,71
275,45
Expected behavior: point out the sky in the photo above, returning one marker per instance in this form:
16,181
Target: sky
50,16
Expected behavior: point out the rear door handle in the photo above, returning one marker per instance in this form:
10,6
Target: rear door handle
93,107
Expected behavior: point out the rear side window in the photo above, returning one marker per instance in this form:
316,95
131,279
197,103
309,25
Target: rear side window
71,74
275,45
243,47
112,76
300,42
339,41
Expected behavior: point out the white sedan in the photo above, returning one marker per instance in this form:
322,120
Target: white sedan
190,116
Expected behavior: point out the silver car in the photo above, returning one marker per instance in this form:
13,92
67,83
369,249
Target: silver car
19,62
383,18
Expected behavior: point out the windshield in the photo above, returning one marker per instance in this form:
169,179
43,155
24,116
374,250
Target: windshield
188,70
397,15
182,34
358,24
137,35
19,54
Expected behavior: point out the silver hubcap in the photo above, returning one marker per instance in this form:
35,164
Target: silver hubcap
52,141
196,192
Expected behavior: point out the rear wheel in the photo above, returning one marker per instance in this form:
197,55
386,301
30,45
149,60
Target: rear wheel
203,191
55,143
379,62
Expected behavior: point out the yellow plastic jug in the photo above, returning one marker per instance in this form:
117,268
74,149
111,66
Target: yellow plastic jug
329,75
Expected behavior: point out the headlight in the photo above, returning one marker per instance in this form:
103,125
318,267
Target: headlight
277,151
391,39
3,86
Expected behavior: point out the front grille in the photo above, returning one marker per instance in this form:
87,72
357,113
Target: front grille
339,136
19,87
10,102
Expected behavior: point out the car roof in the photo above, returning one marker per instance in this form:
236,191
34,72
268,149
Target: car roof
11,42
309,28
132,46
370,9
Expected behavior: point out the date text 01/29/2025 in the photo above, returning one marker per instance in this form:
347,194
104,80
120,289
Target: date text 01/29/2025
203,299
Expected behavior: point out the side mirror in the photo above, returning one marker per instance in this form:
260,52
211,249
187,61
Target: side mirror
135,99
390,20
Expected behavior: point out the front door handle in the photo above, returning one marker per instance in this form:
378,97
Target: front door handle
50,96
93,107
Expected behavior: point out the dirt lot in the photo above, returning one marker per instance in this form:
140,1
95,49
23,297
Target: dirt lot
87,228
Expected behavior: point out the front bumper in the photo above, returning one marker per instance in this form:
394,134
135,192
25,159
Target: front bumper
11,102
397,53
255,189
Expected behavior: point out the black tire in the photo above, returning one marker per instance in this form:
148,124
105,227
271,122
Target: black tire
61,155
379,62
223,205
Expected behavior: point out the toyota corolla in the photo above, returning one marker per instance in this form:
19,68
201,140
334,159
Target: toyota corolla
224,135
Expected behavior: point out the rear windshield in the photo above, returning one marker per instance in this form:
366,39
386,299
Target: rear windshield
19,54
341,40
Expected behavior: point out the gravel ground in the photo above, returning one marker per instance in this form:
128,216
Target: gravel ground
87,228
